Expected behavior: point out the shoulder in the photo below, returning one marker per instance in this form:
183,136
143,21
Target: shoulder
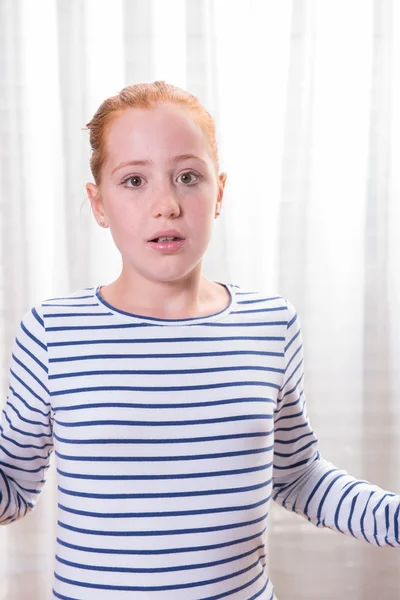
71,302
78,296
264,301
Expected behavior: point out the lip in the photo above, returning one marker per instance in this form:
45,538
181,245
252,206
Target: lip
167,233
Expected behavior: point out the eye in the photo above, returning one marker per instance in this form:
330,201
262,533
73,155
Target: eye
133,181
188,178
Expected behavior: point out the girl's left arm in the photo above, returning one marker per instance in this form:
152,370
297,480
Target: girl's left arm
309,485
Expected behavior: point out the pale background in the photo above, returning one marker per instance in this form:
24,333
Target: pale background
306,97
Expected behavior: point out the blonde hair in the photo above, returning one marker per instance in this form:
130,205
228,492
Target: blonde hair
144,95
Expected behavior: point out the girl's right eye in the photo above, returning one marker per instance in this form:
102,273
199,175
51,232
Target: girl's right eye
133,181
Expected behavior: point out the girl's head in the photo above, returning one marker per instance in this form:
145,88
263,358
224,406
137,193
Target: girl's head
155,166
145,96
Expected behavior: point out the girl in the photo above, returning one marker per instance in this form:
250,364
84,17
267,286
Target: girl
174,404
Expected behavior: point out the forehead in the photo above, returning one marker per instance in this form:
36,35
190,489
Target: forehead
158,132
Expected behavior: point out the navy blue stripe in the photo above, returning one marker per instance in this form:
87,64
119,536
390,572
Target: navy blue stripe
218,492
171,513
5,437
258,310
292,320
212,438
282,402
174,355
316,487
171,388
8,496
78,314
288,454
231,338
284,405
162,532
238,589
31,355
45,304
248,324
321,503
10,404
67,298
159,569
62,597
159,406
170,476
298,367
167,423
258,300
258,594
353,505
292,466
29,458
163,458
143,325
294,416
342,499
292,428
223,595
162,551
291,341
293,373
375,523
294,440
362,529
32,337
30,390
31,408
375,510
28,434
181,586
291,404
14,468
166,371
299,349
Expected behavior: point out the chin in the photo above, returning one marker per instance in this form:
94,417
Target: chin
170,275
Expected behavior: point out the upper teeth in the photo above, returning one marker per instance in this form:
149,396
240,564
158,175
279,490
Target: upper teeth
166,239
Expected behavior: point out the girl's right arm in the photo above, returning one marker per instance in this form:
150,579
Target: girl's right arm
26,440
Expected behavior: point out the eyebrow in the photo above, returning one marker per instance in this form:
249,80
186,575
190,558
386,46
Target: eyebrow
146,162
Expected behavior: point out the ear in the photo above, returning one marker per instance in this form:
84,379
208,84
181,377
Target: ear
93,193
221,187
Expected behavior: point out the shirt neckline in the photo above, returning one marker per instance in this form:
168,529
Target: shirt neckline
127,316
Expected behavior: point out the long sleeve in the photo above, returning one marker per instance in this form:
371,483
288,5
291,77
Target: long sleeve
309,485
26,423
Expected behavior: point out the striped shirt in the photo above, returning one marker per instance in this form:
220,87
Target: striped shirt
171,437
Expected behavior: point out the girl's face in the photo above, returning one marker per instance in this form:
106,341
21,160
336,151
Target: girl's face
158,180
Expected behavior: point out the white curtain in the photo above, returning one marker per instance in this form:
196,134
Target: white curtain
306,96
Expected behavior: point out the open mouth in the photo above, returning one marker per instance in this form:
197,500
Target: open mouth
166,239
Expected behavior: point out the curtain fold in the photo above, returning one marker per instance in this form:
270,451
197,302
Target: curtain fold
72,76
14,227
297,156
377,326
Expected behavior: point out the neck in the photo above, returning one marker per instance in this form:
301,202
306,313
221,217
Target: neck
189,297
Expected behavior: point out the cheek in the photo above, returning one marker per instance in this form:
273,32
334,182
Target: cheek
124,214
203,225
201,219
202,202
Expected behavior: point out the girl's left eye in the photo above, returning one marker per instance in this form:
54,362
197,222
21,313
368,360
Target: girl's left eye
188,178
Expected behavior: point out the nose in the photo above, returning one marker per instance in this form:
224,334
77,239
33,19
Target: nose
164,202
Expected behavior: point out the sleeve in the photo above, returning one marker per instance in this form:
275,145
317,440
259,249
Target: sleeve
26,439
309,485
